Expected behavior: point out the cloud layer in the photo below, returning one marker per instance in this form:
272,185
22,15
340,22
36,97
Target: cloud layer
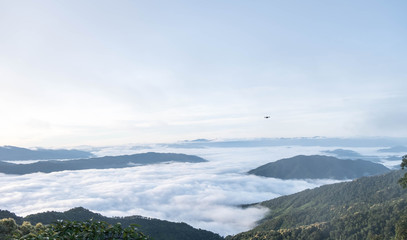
204,195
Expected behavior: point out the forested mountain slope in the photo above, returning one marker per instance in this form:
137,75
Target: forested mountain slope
155,228
366,208
317,166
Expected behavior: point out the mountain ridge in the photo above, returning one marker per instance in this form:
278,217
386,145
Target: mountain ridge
122,161
18,153
368,207
156,228
317,167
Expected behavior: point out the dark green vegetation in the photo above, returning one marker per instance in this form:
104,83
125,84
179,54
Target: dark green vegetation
366,208
97,163
403,180
16,153
157,229
313,167
69,230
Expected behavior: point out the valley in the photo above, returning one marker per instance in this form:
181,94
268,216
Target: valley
193,192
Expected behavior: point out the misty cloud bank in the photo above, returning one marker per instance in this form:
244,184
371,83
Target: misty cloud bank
205,195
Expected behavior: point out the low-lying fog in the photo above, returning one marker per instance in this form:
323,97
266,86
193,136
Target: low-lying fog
204,195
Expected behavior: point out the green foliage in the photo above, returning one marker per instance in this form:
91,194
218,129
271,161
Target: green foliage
10,230
403,180
155,228
69,230
27,228
8,227
401,228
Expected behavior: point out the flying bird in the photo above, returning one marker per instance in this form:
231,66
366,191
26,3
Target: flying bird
266,117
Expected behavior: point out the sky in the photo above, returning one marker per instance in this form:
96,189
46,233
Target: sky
117,72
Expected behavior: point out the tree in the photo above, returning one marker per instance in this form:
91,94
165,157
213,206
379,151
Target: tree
401,228
8,227
403,180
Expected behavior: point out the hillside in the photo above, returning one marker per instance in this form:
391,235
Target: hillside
155,228
369,207
17,153
316,166
97,163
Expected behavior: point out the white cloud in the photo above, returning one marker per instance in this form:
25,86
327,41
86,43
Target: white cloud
204,195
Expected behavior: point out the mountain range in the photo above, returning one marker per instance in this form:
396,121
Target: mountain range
301,141
317,166
18,153
97,163
373,207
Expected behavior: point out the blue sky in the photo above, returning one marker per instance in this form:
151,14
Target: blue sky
117,72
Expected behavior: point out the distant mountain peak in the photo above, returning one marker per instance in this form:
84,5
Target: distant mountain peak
317,167
17,153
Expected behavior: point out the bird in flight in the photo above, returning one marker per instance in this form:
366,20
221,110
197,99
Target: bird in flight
266,117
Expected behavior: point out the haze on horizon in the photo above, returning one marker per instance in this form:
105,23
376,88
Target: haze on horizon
117,72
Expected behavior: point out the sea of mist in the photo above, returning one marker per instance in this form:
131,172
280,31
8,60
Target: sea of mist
205,195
